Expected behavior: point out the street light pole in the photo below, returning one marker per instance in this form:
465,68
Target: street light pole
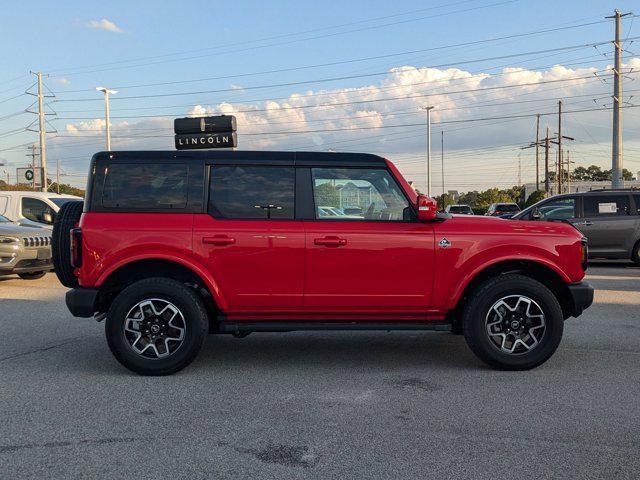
106,92
428,109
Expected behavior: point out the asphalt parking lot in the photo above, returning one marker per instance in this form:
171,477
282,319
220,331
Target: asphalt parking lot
319,405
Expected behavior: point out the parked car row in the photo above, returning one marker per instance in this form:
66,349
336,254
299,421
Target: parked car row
26,219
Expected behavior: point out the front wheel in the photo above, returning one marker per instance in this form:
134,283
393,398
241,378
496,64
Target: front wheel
513,322
156,326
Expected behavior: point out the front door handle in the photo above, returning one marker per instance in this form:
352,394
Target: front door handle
330,241
219,240
586,223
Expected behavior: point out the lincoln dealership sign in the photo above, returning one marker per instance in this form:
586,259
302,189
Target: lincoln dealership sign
205,132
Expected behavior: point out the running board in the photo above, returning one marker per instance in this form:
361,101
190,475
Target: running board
291,326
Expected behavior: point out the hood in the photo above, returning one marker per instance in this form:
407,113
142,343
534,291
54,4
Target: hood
15,230
496,226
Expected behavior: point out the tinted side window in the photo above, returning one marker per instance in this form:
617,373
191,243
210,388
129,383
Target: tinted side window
149,186
605,205
358,194
636,199
252,193
35,210
560,209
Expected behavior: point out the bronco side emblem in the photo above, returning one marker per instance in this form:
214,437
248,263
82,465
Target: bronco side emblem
444,243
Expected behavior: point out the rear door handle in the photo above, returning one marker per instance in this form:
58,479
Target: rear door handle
330,241
219,240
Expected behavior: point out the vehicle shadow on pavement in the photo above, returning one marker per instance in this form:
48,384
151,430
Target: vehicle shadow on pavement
375,350
266,354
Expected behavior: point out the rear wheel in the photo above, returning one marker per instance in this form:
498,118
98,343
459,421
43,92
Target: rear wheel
32,275
513,322
66,219
156,326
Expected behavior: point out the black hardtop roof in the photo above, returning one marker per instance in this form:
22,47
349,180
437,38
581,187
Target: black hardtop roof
245,156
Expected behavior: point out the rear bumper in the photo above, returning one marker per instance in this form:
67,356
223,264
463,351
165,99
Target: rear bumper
581,298
81,302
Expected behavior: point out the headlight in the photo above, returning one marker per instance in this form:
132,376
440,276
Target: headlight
5,240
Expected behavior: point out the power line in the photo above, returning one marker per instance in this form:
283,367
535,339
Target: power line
377,100
337,78
343,62
281,43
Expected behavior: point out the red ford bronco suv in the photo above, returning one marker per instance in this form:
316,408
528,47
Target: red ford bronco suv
170,246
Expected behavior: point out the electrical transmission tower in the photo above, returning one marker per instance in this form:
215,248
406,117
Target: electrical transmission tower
42,124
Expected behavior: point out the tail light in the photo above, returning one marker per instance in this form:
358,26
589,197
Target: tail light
585,253
75,247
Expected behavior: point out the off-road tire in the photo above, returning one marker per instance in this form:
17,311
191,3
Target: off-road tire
186,300
32,275
482,299
66,219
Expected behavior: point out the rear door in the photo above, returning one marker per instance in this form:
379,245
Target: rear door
249,238
608,224
372,256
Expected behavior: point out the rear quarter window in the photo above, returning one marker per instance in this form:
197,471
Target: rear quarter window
606,205
145,186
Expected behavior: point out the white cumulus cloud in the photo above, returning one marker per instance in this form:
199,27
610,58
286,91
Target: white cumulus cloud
105,24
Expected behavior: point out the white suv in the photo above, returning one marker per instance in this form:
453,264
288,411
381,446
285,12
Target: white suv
32,208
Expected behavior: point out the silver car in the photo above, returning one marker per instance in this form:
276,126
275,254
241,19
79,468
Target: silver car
25,251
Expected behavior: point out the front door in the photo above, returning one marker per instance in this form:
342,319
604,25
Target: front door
250,241
365,251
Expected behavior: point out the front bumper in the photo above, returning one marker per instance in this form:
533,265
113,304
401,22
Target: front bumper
81,302
581,298
15,258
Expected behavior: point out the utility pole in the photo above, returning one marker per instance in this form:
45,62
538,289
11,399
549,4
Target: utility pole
616,144
560,165
442,161
568,173
428,109
520,169
106,92
537,155
43,136
546,164
58,176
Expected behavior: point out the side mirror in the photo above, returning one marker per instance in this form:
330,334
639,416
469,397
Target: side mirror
535,214
427,208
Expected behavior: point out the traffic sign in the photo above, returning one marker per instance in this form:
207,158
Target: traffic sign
28,175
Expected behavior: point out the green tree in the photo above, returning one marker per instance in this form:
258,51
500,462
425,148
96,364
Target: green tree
327,195
535,197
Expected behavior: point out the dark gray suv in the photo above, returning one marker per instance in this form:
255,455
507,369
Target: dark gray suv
610,219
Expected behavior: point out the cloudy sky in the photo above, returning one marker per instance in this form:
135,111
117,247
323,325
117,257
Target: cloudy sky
300,78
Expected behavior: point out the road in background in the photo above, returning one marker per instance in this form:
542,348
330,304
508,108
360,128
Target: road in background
319,405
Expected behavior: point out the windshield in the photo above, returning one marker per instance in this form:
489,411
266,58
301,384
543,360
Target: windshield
459,209
60,201
508,208
4,219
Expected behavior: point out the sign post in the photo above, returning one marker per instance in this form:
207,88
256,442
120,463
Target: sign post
205,132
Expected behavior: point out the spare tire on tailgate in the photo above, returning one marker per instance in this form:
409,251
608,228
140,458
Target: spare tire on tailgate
66,219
